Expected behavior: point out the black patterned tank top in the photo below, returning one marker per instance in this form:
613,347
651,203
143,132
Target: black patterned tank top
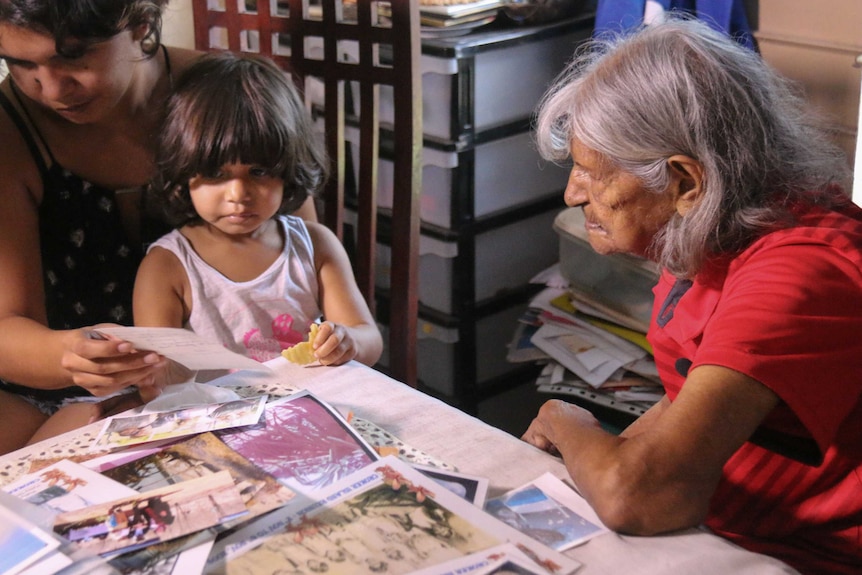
88,262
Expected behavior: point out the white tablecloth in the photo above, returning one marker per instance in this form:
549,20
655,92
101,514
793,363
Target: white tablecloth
473,447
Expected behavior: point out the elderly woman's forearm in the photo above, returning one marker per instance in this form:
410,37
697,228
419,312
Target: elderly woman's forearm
634,487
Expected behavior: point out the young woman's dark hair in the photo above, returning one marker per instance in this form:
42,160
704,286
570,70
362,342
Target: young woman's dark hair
76,23
235,108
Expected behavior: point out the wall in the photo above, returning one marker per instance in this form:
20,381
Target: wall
178,24
816,44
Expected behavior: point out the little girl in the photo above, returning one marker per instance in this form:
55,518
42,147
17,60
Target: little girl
237,152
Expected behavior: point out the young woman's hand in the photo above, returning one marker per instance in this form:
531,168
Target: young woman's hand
172,373
104,365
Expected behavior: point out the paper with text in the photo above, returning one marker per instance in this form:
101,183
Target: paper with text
184,347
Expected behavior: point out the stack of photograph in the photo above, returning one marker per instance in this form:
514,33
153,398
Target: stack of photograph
287,484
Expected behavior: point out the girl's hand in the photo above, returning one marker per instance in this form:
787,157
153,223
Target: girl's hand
334,344
104,364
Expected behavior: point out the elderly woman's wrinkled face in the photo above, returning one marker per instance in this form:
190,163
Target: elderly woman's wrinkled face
621,215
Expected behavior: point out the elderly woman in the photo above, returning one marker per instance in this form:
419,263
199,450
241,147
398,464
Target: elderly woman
687,149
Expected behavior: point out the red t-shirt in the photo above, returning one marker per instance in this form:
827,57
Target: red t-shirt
788,313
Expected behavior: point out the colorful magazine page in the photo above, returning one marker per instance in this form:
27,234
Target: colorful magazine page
67,486
471,488
154,516
549,511
120,432
385,517
21,543
305,443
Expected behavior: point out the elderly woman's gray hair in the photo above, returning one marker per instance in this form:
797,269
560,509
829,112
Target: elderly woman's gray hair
680,87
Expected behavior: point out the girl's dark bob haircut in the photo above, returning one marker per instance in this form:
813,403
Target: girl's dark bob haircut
236,108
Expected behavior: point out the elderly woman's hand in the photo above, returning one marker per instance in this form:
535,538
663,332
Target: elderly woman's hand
555,419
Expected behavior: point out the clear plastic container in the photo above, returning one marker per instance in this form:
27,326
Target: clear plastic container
620,282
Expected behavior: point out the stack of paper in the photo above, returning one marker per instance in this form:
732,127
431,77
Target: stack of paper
299,489
466,15
588,352
445,15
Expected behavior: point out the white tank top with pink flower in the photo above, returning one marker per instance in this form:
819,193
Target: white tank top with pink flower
260,317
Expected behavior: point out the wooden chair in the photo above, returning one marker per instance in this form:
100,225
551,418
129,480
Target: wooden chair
292,32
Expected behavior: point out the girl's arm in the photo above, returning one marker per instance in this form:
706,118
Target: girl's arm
349,331
160,289
161,300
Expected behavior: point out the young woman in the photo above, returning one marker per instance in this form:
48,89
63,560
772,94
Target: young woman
79,113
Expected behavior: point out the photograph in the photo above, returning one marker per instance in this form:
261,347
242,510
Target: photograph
545,510
469,487
190,458
303,442
199,456
154,516
21,543
136,429
67,486
181,556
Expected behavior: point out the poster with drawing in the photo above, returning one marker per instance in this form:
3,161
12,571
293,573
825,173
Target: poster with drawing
387,517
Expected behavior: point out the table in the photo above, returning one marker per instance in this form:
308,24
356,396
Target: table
471,446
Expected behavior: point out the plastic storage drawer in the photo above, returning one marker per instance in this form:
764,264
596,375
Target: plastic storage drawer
505,258
460,187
